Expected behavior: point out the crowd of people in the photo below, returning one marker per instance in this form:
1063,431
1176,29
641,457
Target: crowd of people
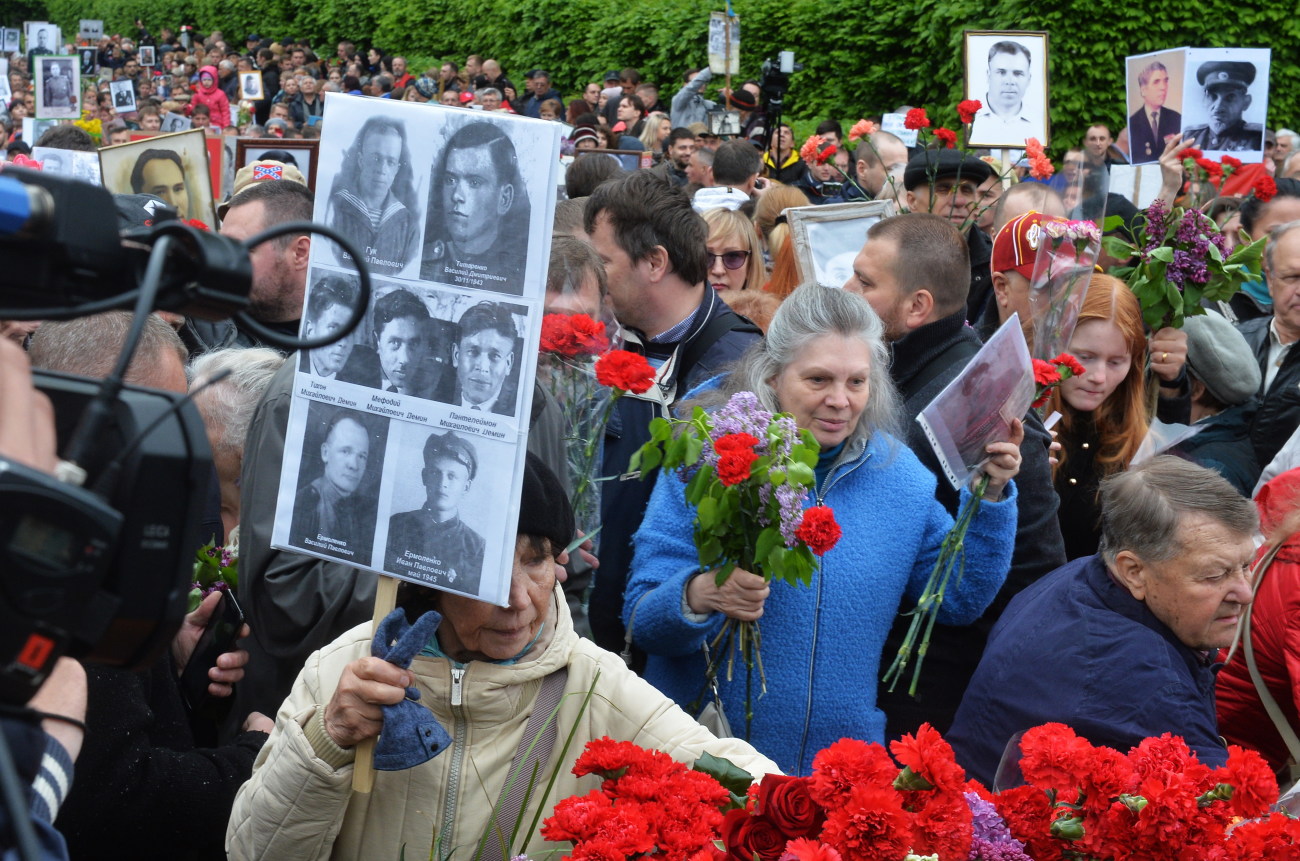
1131,570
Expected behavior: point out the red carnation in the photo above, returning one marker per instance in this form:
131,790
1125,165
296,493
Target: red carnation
1193,153
819,530
1065,361
1051,756
916,119
733,468
1046,373
747,835
967,109
846,764
734,442
943,825
817,150
1254,786
788,804
948,136
573,335
194,222
928,755
1265,188
804,849
623,370
871,826
1229,162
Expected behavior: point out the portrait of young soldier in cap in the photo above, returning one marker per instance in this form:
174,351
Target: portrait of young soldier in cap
432,543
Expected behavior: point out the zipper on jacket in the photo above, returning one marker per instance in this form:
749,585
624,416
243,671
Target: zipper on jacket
460,731
831,481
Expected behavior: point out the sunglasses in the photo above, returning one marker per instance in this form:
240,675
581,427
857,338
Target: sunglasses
732,260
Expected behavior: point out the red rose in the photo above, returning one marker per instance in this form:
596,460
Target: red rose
916,119
818,529
789,805
1265,188
620,369
948,136
746,836
967,109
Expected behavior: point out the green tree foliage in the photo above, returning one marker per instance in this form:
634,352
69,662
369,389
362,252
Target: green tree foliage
859,59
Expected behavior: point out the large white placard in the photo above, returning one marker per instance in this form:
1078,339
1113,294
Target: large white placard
406,441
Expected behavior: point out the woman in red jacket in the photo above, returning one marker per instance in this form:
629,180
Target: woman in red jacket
208,93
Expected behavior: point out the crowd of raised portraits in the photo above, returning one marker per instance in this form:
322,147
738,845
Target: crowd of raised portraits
1076,551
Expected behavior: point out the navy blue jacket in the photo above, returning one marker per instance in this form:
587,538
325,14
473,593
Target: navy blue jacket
1077,648
623,502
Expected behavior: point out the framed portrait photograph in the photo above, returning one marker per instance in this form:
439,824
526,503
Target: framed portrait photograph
9,37
174,167
123,93
147,56
42,37
174,122
302,154
89,61
57,81
827,238
1007,72
1153,84
1225,101
70,163
89,29
250,86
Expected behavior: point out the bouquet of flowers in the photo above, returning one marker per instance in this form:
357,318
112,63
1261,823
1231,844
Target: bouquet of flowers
1181,262
647,804
570,348
216,569
748,473
1062,270
1158,801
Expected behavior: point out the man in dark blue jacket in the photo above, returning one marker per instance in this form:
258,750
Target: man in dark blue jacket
1119,646
653,246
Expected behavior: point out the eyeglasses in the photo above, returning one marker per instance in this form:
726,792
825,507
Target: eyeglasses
732,260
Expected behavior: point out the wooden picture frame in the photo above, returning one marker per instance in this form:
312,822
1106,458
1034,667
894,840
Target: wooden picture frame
249,150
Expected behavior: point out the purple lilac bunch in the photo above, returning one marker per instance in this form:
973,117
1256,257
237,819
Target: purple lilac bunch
991,839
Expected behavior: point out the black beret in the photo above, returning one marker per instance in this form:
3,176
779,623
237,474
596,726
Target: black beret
942,164
544,508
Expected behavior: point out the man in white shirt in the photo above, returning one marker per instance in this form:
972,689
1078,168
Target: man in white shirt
1002,120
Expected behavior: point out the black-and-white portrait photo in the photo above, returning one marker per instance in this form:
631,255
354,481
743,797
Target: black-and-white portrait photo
397,355
58,88
42,37
71,163
89,60
91,30
123,96
372,198
329,306
432,544
9,39
1226,100
478,212
485,355
250,86
336,505
147,56
173,122
1007,73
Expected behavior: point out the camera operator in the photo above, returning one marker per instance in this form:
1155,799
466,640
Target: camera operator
146,788
46,743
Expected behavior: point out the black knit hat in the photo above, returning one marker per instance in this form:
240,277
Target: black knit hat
544,508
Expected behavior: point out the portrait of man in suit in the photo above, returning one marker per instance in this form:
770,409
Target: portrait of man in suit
484,355
400,360
1152,124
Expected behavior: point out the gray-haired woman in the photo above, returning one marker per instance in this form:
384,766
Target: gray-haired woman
825,362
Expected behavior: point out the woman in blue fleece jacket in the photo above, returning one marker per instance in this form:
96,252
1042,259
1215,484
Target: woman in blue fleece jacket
825,362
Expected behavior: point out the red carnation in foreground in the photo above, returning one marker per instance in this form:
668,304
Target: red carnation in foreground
948,136
1265,188
819,529
624,370
916,119
735,456
573,335
967,109
1069,363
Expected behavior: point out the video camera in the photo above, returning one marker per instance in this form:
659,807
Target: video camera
101,571
774,84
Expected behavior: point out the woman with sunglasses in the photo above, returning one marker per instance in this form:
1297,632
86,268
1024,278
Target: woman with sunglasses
735,253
